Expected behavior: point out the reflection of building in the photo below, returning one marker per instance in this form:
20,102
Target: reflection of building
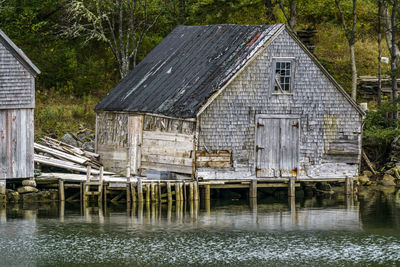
17,101
230,101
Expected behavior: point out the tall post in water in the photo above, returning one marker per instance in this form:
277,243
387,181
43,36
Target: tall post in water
128,185
140,190
292,187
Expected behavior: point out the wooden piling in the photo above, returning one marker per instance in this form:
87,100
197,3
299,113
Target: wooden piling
184,191
196,191
207,195
148,193
133,191
292,187
253,189
181,191
140,190
177,192
169,193
349,185
159,192
191,192
153,195
128,185
61,191
105,195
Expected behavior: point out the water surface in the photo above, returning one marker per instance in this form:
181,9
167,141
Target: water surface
318,231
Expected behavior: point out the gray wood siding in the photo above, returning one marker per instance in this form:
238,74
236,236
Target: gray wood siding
330,127
112,140
16,143
17,84
166,144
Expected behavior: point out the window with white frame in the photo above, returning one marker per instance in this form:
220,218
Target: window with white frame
282,75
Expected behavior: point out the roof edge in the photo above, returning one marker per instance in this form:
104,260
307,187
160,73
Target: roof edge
18,53
326,72
207,103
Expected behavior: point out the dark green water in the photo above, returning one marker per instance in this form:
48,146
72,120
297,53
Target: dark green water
318,231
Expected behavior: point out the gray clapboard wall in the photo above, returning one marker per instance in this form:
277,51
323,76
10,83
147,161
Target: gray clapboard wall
17,100
329,126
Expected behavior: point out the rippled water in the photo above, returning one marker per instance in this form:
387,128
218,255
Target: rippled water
308,232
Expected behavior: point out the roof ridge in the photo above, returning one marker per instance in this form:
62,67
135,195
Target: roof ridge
18,53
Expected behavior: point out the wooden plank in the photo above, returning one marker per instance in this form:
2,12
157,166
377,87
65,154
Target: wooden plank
166,167
167,136
188,146
369,164
167,160
221,153
63,164
213,164
60,154
213,159
163,151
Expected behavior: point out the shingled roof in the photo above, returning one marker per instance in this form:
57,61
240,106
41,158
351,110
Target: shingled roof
178,76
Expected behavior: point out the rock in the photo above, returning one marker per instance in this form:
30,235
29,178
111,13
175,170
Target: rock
367,173
388,177
364,180
69,139
30,197
395,171
388,183
13,196
29,182
27,189
85,135
88,146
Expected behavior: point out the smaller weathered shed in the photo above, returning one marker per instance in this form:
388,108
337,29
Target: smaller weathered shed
17,102
231,102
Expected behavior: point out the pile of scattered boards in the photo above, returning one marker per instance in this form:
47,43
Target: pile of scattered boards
65,156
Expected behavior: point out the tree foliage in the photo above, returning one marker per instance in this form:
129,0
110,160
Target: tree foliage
121,24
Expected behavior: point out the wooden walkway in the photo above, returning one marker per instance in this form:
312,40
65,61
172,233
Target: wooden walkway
102,188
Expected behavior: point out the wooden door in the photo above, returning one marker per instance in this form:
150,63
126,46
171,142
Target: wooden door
135,124
277,146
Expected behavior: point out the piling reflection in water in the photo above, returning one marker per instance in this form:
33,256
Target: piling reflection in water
309,214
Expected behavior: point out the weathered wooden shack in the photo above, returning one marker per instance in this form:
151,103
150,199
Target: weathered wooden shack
231,102
17,102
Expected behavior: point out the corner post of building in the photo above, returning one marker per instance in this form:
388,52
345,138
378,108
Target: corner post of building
292,187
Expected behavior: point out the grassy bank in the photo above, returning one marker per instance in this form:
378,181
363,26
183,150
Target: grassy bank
56,114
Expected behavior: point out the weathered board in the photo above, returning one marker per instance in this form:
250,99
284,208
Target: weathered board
213,159
112,140
167,151
16,143
135,125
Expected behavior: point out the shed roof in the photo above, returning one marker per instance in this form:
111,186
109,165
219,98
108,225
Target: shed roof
186,68
18,53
